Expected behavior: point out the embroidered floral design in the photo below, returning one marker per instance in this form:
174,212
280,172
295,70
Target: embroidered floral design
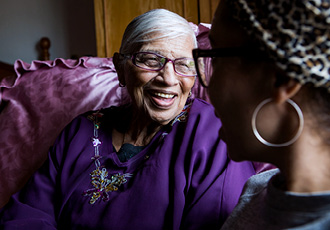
96,142
100,181
94,117
103,185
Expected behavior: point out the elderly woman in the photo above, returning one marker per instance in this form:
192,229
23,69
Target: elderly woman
270,87
156,163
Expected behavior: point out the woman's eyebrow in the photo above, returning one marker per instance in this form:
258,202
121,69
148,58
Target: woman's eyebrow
152,51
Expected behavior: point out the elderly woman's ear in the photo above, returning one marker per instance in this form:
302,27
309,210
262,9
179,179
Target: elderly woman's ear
118,62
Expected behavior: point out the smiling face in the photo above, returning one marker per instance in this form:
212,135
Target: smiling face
160,95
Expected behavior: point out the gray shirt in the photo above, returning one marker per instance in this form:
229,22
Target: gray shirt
263,206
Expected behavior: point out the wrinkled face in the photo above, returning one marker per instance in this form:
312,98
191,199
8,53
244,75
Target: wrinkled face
236,87
160,95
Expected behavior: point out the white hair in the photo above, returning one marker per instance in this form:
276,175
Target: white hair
153,25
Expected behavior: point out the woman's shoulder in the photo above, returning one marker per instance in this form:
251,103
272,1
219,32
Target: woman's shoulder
82,124
198,119
258,182
85,118
202,108
96,116
201,103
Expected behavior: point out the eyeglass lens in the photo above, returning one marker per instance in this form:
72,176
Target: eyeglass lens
155,62
205,69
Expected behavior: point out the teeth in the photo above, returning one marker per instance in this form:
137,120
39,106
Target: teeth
164,95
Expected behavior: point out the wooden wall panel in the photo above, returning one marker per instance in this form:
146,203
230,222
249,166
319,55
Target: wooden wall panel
191,10
99,28
207,10
112,17
121,12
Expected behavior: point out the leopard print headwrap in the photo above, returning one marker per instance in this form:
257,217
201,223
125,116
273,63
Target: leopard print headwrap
295,33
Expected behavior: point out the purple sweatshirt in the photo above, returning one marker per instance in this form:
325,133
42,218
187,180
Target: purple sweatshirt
182,180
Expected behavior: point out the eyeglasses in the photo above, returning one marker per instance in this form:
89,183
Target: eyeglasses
203,59
155,62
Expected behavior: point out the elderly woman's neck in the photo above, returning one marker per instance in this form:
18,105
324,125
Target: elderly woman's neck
140,136
141,129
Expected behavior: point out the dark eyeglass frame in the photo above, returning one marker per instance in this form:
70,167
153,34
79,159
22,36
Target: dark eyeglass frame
250,52
133,59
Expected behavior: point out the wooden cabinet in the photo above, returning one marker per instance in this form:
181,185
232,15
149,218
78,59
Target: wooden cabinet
112,17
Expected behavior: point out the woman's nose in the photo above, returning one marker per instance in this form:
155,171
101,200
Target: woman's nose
170,77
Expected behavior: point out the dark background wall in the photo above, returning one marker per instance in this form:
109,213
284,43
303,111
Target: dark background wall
69,24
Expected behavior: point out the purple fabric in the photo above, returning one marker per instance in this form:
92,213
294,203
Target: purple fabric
188,182
202,35
39,102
